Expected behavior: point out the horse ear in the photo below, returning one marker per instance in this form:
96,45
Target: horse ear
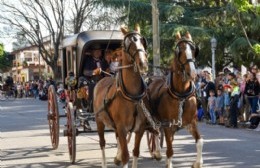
124,29
178,36
188,36
137,28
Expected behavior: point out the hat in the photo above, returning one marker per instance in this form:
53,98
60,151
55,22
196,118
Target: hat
221,73
227,86
96,47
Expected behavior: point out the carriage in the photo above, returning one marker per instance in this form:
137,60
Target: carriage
74,51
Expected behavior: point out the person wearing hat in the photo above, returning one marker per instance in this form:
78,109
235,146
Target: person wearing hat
93,67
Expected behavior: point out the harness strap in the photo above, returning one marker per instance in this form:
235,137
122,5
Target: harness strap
121,88
177,95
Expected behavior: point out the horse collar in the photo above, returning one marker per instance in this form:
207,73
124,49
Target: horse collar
125,94
177,95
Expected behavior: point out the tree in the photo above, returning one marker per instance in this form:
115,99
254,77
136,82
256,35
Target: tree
32,18
5,61
80,11
203,19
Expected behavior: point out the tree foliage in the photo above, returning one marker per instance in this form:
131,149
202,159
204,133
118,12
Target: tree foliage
36,22
203,19
5,62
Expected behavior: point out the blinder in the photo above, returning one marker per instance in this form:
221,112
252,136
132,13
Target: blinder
133,39
192,46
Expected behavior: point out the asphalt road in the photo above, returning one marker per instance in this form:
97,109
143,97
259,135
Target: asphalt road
25,143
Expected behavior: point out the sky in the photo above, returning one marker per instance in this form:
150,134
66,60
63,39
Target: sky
7,41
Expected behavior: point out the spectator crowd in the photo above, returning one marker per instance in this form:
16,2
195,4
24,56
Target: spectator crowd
232,99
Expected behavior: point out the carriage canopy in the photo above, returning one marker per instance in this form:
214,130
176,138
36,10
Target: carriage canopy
76,48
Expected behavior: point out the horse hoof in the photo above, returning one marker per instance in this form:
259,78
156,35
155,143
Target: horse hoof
117,162
157,156
196,165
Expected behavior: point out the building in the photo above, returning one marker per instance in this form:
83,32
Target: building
27,65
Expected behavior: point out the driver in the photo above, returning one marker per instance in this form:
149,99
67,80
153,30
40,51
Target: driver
93,67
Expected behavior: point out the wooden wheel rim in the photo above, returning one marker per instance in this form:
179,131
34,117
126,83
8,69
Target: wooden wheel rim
53,117
71,133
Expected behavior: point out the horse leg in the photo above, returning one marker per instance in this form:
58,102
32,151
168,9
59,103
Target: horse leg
123,145
138,137
102,142
118,158
157,153
169,152
199,144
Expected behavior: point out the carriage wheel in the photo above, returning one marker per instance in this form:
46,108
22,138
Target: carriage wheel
151,141
71,134
53,117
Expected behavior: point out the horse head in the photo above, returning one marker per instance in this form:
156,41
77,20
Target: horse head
135,46
185,54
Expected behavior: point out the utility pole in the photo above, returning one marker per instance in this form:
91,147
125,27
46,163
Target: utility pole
156,39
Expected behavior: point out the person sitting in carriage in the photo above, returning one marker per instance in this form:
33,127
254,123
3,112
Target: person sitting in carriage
93,68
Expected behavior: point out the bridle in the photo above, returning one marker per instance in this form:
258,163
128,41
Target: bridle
127,46
131,56
178,50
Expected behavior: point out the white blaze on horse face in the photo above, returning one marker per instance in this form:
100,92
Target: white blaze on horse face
142,56
188,52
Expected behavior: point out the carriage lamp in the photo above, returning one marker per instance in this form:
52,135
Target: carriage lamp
213,42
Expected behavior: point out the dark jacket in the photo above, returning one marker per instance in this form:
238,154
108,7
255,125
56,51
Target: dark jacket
90,65
252,88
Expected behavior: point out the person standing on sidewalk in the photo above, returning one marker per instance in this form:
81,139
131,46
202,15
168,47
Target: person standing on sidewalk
252,91
220,106
212,106
234,101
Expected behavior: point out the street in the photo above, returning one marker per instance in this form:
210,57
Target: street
25,142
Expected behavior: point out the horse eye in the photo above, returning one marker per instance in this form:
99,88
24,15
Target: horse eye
134,39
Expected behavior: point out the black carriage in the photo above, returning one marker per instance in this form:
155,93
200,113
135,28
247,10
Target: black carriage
74,50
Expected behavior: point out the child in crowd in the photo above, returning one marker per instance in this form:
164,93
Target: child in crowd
212,106
220,106
227,90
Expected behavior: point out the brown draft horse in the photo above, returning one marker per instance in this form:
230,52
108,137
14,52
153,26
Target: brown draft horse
117,100
174,100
